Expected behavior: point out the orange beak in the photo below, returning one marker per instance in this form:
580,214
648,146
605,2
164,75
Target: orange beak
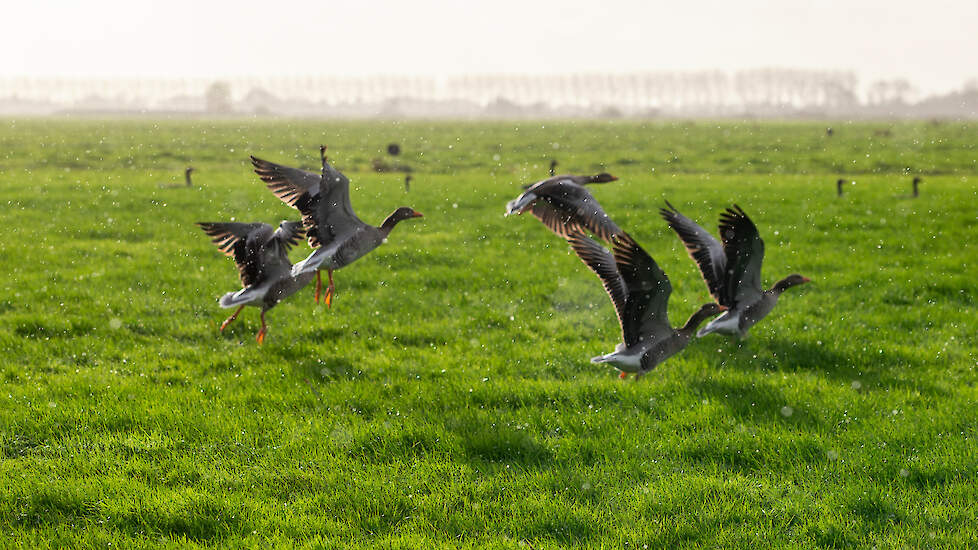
417,214
724,308
806,280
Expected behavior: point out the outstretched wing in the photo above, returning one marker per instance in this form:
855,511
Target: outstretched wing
289,234
602,263
570,207
244,242
335,213
745,253
287,183
647,292
705,250
560,222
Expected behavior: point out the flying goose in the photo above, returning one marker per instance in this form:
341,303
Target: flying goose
337,234
565,206
732,270
640,291
260,253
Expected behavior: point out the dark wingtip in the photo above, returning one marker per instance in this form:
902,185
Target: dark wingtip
669,212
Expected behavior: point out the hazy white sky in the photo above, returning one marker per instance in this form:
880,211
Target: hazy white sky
933,43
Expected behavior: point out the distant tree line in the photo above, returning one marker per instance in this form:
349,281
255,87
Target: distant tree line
774,91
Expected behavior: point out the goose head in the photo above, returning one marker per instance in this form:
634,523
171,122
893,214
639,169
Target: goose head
603,177
399,215
791,280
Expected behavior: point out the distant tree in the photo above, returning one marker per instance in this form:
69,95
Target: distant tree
898,90
218,98
901,91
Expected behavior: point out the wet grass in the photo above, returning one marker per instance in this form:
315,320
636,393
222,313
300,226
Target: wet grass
447,399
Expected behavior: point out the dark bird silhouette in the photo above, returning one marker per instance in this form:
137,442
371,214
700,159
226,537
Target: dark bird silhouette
916,182
564,205
332,228
261,254
731,270
553,167
186,180
640,291
838,186
407,183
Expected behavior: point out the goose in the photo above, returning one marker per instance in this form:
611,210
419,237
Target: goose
186,180
407,183
260,253
553,167
838,186
916,182
564,205
732,270
640,291
331,226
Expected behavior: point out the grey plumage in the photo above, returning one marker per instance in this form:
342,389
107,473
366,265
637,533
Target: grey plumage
261,254
331,225
640,291
565,206
731,269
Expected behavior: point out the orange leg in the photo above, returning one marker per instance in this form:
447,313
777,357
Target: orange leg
319,285
263,331
230,319
623,375
328,296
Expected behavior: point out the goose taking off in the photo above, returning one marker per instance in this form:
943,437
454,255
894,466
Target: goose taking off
640,291
565,206
260,253
337,234
732,270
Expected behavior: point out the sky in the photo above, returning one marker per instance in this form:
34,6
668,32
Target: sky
934,44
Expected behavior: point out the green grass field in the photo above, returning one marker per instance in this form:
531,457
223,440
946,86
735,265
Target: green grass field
446,400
